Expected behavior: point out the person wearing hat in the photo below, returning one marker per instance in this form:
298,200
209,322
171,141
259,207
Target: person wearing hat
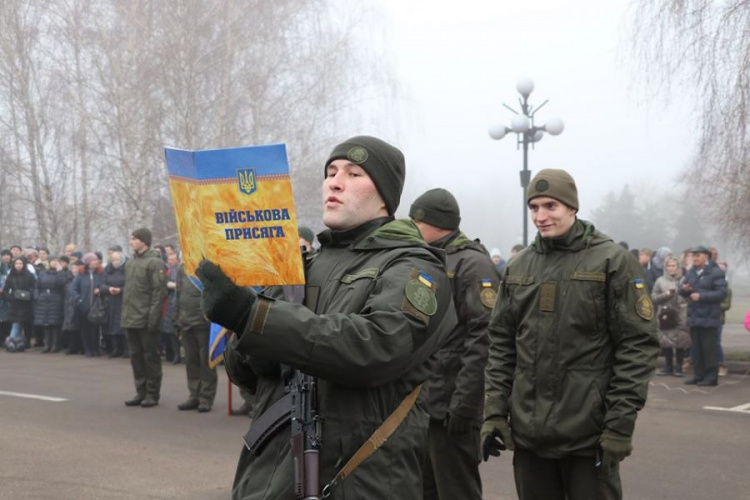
143,297
497,260
705,286
573,346
306,238
454,396
377,306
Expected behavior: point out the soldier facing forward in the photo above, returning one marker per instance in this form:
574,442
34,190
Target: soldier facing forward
572,348
377,307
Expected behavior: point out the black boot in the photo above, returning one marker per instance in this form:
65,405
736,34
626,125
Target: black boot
668,359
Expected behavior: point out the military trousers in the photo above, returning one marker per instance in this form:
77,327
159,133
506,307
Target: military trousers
146,361
567,478
201,379
452,466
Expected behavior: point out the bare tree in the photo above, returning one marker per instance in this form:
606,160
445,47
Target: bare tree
703,46
92,90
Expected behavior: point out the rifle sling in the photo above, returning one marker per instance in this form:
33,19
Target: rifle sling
377,439
267,425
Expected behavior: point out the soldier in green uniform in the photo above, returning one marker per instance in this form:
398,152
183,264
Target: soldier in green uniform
573,346
455,391
377,307
194,332
142,302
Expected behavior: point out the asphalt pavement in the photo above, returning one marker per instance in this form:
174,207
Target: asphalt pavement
66,434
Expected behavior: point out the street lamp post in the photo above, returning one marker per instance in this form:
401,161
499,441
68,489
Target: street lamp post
522,124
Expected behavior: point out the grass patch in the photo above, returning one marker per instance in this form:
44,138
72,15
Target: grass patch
737,356
740,305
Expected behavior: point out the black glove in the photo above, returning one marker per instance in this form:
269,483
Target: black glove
457,425
496,437
222,301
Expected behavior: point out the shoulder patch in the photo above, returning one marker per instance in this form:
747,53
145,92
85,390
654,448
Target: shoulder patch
644,307
488,297
420,292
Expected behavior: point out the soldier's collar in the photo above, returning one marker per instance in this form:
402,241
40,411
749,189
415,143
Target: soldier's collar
351,236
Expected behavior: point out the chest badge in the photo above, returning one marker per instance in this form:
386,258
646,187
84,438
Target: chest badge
420,291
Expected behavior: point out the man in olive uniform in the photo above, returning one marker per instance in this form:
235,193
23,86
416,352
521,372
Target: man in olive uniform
573,346
377,307
142,302
455,391
194,331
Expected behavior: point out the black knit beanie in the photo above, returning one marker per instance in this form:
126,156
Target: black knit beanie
143,234
437,207
555,183
383,163
306,234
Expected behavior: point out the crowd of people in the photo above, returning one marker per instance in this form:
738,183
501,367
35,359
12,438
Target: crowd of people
72,302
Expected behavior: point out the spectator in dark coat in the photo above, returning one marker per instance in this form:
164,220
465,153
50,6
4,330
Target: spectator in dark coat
5,322
86,287
19,289
49,303
705,286
71,327
112,288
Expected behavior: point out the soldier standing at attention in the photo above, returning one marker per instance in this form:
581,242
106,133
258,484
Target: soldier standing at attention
194,331
455,391
573,346
377,307
142,301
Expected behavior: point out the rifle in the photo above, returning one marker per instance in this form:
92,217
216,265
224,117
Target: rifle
306,436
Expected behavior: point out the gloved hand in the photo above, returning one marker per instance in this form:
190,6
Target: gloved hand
495,437
222,301
615,448
456,425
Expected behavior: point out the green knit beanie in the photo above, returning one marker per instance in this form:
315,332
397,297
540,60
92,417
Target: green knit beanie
555,183
143,234
384,164
437,207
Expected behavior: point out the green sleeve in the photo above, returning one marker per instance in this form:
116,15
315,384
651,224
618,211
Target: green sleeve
366,348
501,359
635,344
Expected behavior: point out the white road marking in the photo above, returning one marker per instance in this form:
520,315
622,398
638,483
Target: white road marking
32,396
736,409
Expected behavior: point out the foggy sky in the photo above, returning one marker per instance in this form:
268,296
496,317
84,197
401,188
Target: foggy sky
457,62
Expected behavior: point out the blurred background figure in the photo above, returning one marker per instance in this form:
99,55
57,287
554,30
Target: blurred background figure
49,304
497,260
112,287
671,314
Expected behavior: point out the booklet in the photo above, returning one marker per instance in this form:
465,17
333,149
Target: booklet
235,207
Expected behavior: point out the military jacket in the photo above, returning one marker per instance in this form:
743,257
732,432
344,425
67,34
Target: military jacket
144,292
187,310
378,307
573,343
458,381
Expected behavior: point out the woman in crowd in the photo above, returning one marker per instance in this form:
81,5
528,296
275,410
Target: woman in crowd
49,303
19,290
674,333
71,325
112,288
86,288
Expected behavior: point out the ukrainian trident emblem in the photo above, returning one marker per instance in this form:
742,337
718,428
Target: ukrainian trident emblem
246,180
